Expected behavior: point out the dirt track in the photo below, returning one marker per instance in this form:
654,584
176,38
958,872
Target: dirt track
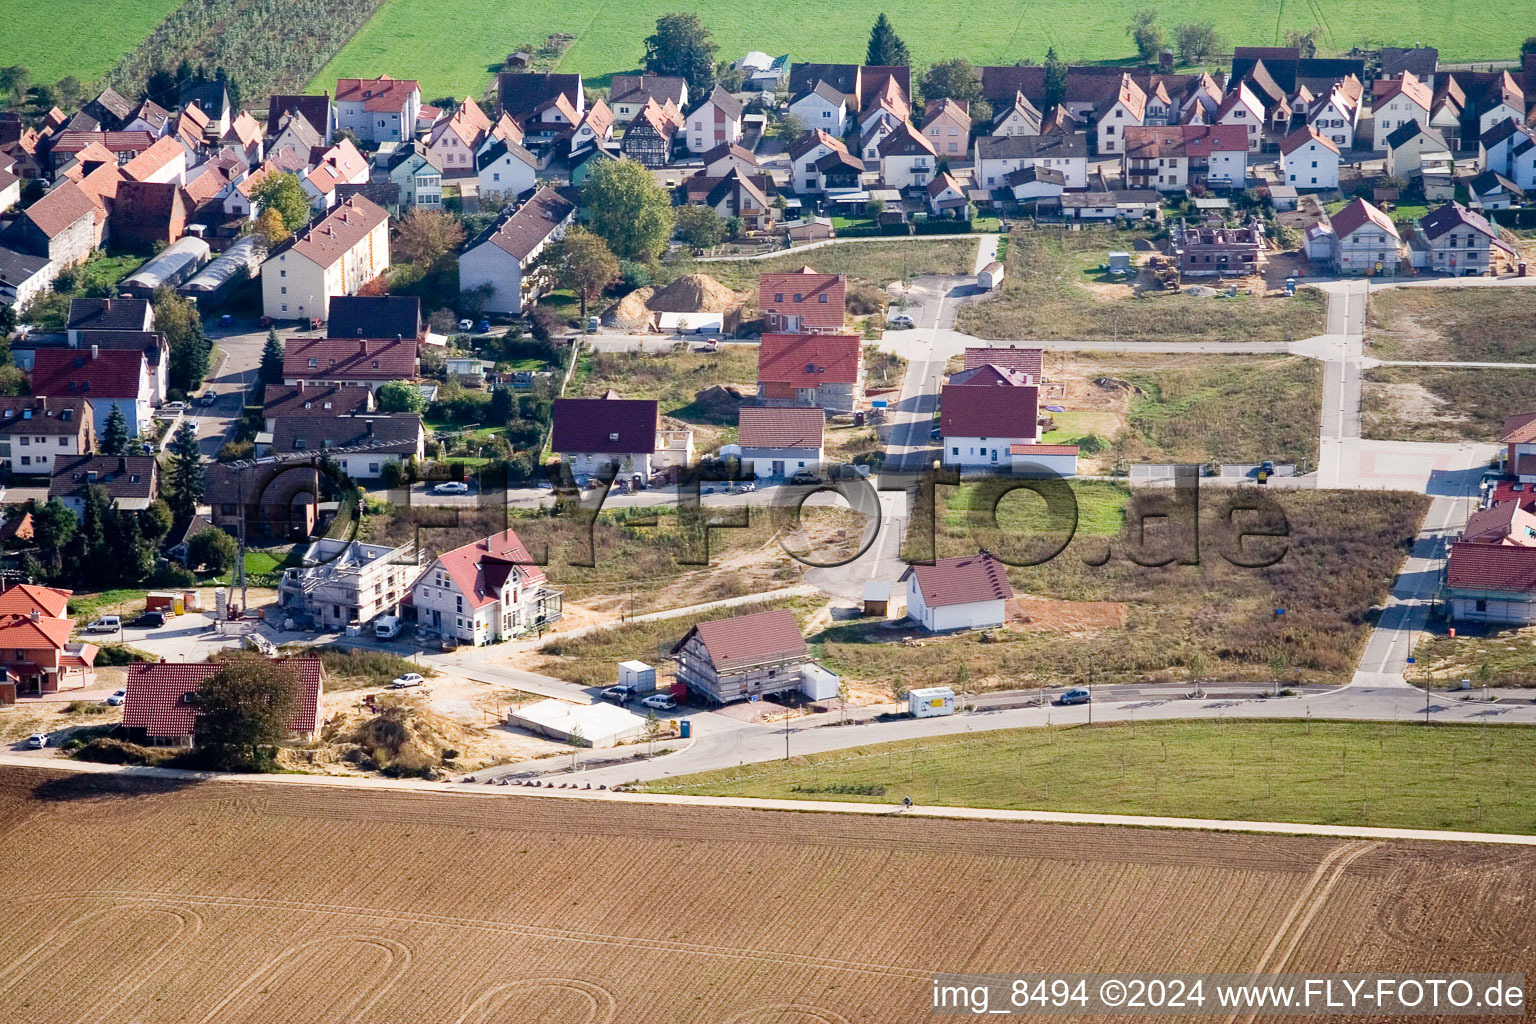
232,902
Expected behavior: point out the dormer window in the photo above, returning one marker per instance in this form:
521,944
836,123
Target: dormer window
613,436
314,364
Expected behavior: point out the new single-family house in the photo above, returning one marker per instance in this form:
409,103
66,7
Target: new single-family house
715,122
802,301
160,706
970,592
109,378
1395,102
485,592
824,370
1519,439
625,437
501,258
776,443
334,256
978,424
1218,250
1309,159
1365,240
1510,149
382,109
1504,523
1490,583
1459,241
36,432
1028,361
131,481
742,658
39,656
345,582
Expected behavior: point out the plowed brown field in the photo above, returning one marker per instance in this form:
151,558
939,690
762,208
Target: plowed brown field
228,902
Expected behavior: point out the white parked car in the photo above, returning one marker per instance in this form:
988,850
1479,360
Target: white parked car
38,740
118,696
407,680
466,325
173,407
453,487
660,701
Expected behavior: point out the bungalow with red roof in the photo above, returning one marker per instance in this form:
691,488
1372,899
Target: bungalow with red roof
37,652
776,443
971,592
744,657
160,706
484,592
379,109
335,256
823,370
627,436
980,425
361,362
802,302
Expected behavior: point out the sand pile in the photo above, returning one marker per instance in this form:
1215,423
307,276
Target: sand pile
719,402
630,312
695,293
405,737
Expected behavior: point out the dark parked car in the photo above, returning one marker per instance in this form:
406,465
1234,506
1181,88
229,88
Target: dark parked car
150,620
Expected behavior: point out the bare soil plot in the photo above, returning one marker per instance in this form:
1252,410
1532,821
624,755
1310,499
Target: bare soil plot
1451,325
326,906
1440,403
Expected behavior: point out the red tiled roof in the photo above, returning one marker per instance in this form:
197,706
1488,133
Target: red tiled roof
382,93
154,159
966,580
475,568
25,598
1519,429
350,358
1009,357
803,293
1043,449
75,373
808,360
155,699
1491,567
966,411
1356,215
780,428
58,210
117,142
619,426
1502,521
24,633
749,639
1303,135
1408,85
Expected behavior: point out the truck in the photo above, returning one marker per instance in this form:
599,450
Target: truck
386,627
931,701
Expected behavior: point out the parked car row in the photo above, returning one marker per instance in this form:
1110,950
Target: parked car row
622,695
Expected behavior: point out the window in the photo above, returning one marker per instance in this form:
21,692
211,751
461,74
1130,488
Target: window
26,440
63,442
1482,606
283,290
459,602
823,298
285,307
282,273
954,451
827,114
495,175
26,460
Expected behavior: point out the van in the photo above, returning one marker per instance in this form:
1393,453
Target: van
387,627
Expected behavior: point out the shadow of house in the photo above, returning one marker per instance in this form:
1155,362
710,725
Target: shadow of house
270,501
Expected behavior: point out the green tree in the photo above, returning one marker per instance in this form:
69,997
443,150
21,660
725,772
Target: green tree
1529,46
14,80
1055,79
652,730
787,128
681,46
68,93
285,194
129,555
885,46
243,710
1197,40
1147,34
1304,40
89,559
186,479
272,359
582,262
213,549
178,319
53,527
699,226
425,236
114,438
400,396
156,521
955,78
629,209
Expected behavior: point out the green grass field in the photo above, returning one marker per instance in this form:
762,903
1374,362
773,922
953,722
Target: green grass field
1468,778
83,38
467,38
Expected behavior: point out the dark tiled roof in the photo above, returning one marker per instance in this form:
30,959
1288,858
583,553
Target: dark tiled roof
1451,216
608,425
156,700
394,434
966,411
67,416
519,232
966,580
525,93
313,109
781,428
316,400
1020,147
349,358
123,476
635,88
109,314
374,316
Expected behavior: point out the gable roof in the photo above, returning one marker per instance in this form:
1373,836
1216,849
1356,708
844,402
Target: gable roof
990,375
598,119
1032,147
500,148
300,127
811,139
524,93
315,400
906,141
121,314
136,141
60,210
1451,216
809,360
760,427
1495,567
325,242
156,698
633,88
746,640
350,358
386,433
810,287
1385,90
730,149
1519,429
1357,214
966,580
25,598
1409,130
1421,60
617,426
1303,135
123,476
478,569
374,316
1504,520
44,414
469,123
1009,357
378,94
723,101
76,373
733,182
22,632
999,412
519,232
315,110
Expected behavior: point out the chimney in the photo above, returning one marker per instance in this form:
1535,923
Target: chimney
363,346
36,615
122,464
95,351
